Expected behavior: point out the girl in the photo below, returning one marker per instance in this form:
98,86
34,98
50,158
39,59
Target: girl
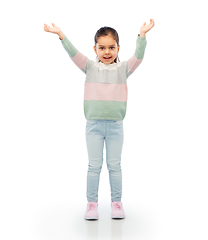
105,101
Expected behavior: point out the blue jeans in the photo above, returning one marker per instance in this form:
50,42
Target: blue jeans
110,131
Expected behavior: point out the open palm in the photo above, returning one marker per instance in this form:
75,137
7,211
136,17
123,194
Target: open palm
53,29
145,28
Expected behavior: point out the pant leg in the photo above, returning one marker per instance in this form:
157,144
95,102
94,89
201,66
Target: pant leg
95,143
114,144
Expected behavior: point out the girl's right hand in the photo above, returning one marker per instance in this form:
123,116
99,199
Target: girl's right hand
53,29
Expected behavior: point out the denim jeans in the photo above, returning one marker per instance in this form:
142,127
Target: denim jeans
110,131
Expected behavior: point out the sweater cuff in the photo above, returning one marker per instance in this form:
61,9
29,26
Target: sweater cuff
142,37
63,38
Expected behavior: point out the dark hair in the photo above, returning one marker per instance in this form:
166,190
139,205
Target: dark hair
105,31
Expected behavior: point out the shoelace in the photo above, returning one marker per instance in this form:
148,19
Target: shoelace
117,206
91,207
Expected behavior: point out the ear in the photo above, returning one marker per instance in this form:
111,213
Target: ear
95,50
118,48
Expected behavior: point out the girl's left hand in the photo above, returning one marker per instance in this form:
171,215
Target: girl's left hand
145,29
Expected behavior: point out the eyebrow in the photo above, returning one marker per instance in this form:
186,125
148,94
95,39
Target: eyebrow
113,45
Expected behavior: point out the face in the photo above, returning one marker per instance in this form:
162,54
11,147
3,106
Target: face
106,49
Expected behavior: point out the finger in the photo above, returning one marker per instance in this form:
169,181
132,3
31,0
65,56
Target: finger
45,27
48,28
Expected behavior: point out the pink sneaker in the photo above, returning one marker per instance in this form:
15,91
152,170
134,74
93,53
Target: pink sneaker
91,212
117,210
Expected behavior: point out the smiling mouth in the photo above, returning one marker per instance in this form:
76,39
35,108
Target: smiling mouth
107,58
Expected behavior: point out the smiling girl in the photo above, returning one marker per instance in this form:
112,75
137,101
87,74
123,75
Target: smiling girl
105,101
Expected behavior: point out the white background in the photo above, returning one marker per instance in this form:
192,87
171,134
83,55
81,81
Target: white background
43,154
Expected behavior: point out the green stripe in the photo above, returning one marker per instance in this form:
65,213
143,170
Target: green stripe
110,110
140,47
71,50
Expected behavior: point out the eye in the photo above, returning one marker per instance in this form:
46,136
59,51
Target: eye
112,47
101,48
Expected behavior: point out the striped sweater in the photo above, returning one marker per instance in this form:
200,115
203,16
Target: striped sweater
105,93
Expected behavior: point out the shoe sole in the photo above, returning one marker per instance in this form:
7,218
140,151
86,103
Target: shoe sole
116,216
92,218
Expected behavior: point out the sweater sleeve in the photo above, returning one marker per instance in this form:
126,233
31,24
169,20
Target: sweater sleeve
78,58
138,56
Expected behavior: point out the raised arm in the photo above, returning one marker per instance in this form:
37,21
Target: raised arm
78,58
141,43
137,58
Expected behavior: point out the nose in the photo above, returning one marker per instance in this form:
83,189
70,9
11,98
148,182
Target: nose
107,50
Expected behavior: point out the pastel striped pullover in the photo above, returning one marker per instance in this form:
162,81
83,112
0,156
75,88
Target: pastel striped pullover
105,93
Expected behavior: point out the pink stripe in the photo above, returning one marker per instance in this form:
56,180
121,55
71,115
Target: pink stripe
80,60
105,91
133,63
